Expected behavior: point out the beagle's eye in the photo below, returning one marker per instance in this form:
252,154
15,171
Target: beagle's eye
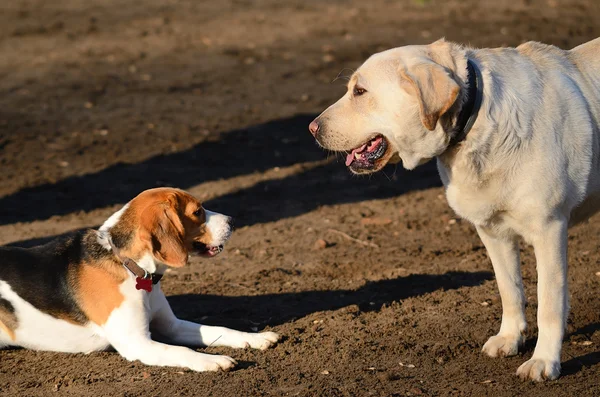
358,91
199,212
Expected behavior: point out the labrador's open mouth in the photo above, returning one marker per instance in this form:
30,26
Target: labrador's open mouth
369,156
207,250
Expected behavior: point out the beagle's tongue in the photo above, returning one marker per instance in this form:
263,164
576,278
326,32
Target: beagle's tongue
350,157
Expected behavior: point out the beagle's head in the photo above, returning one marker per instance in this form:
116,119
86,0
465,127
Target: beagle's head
169,224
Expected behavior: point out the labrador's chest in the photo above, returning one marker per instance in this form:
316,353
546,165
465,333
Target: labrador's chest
474,205
481,202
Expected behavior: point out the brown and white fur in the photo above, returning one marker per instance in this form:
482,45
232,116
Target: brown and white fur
74,294
529,167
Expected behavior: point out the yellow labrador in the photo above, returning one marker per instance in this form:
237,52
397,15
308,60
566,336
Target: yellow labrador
515,132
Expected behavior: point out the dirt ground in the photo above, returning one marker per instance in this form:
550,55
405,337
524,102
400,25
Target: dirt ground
101,99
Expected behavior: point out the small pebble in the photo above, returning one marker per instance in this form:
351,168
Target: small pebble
375,221
320,244
328,58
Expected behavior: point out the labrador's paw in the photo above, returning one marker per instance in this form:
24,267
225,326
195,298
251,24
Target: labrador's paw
502,345
539,370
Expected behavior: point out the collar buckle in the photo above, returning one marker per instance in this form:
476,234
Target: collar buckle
143,279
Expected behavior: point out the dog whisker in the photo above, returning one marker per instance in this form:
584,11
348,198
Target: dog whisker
339,75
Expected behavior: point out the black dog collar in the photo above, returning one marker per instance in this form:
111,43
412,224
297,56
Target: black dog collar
470,110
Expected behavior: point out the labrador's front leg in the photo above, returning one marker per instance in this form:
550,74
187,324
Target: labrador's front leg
504,254
550,247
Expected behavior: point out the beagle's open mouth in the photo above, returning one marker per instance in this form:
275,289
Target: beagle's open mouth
207,250
369,156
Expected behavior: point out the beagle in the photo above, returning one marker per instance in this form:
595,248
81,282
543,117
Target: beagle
101,288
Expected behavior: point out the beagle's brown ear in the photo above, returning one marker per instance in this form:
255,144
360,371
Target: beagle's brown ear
165,233
434,88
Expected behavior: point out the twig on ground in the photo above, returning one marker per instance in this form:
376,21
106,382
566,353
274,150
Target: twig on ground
347,237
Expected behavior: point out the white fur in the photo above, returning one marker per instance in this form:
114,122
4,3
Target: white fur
218,226
528,168
128,331
40,331
113,219
149,263
110,222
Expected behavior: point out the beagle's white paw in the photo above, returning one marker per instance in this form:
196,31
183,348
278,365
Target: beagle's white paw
264,340
245,340
208,362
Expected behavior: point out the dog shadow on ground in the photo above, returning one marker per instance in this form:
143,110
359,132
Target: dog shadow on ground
278,143
275,144
251,312
576,364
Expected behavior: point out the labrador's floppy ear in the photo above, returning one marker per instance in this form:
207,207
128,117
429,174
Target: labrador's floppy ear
434,88
164,231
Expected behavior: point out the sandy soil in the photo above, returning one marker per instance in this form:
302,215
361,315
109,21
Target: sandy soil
102,99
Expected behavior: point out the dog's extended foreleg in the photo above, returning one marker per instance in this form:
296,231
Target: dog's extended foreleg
187,333
504,253
550,246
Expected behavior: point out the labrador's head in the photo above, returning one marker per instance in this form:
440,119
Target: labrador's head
399,106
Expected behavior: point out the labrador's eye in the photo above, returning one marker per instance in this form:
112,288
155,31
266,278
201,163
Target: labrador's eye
358,91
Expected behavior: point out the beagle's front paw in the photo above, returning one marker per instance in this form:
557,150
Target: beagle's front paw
209,362
264,340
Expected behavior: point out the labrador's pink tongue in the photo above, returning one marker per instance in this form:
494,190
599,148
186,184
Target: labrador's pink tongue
350,156
374,144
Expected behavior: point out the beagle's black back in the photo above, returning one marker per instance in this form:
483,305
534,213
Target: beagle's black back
43,275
